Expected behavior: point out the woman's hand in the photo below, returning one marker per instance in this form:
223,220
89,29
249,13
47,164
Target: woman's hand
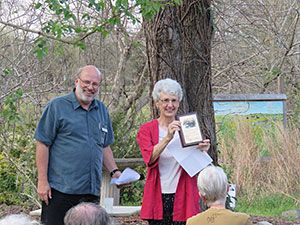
174,126
160,147
204,145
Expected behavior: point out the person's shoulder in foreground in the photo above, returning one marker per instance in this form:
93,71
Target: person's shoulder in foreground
213,186
18,219
220,217
87,213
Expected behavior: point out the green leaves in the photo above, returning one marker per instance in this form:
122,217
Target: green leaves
41,48
9,107
72,23
150,8
7,72
103,30
80,45
68,14
38,5
100,5
59,29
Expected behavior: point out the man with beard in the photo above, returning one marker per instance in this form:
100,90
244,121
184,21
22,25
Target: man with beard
73,137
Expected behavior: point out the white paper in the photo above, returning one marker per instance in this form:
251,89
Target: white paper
191,159
128,175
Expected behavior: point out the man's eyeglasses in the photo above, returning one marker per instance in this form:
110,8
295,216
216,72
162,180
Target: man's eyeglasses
166,101
87,83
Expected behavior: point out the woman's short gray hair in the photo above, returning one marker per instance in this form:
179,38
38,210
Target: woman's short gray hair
212,184
167,86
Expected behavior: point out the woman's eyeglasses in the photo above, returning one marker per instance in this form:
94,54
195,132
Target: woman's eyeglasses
166,101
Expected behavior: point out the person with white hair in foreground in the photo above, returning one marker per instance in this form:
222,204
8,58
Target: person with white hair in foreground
213,186
18,219
87,213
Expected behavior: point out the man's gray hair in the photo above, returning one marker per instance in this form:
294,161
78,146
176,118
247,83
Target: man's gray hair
87,213
78,72
167,86
18,219
212,184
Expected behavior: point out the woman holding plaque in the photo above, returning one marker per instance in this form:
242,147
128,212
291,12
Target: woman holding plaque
170,194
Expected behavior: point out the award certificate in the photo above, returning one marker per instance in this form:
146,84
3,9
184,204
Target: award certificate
190,133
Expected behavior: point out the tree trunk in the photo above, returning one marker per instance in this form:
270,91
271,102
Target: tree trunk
178,42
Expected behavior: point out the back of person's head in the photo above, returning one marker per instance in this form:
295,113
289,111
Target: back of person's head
212,185
18,219
87,213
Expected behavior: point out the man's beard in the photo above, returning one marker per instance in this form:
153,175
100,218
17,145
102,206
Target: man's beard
82,97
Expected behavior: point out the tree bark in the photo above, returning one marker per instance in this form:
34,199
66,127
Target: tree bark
178,42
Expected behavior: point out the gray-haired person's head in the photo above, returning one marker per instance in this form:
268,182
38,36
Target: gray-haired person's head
167,86
79,71
87,213
212,185
18,219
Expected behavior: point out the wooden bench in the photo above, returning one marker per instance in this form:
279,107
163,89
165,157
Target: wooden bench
112,191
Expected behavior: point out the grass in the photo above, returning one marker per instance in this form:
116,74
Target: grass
263,161
271,205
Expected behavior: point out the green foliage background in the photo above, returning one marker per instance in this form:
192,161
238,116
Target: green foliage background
17,165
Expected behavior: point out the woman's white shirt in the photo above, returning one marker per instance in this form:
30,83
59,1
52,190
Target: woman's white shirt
169,168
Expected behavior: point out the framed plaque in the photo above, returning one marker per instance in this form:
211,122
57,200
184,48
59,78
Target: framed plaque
190,133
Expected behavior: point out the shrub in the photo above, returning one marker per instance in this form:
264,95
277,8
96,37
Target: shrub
255,173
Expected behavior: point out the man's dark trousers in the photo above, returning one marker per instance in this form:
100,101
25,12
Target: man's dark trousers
59,204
